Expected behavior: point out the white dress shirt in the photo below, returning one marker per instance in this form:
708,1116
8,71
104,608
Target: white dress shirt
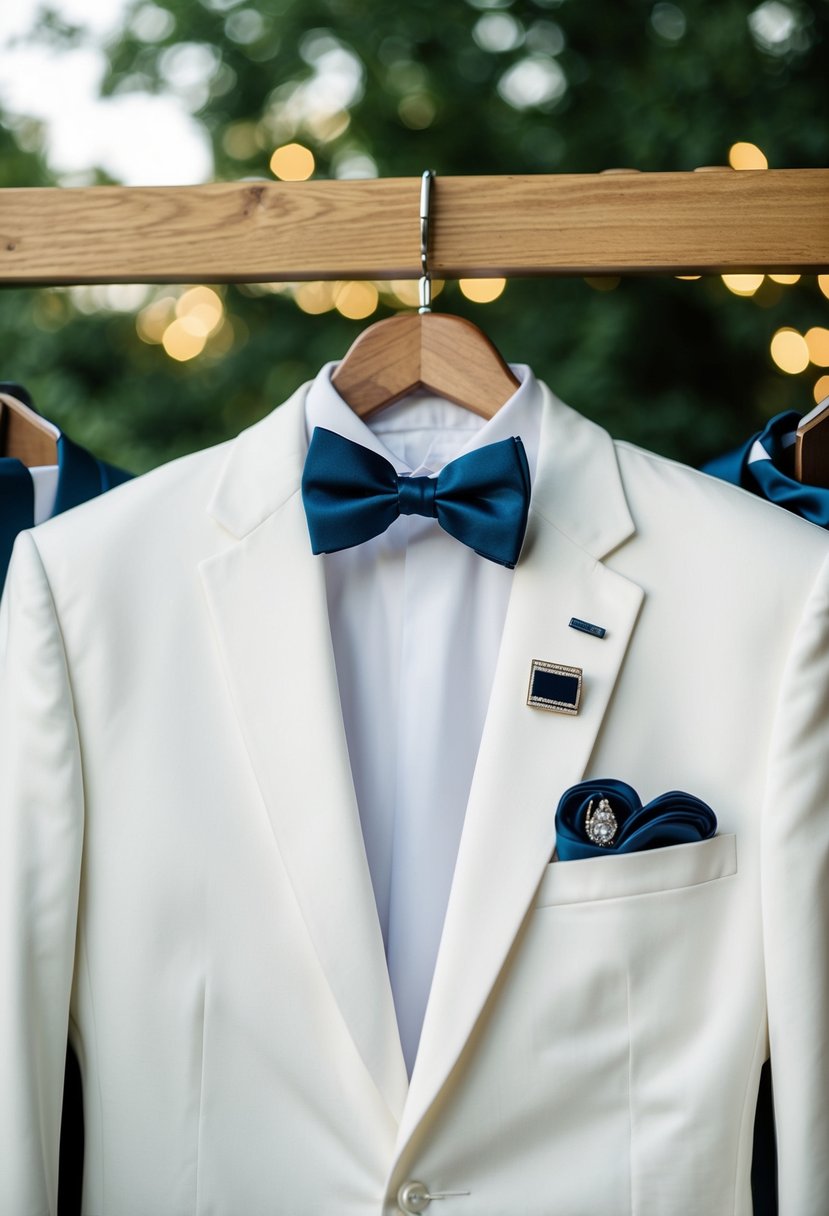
45,485
416,621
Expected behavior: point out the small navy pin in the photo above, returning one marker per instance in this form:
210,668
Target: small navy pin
596,631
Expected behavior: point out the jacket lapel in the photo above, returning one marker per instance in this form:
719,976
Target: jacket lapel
79,476
528,756
267,598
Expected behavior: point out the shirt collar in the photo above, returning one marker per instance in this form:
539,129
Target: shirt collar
456,430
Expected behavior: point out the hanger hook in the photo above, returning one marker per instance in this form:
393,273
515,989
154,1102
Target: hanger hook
425,285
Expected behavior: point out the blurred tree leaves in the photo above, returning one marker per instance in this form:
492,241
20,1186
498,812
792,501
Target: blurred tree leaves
533,86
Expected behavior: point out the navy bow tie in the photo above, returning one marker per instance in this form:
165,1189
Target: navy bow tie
351,494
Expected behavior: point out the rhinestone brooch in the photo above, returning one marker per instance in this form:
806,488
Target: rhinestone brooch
601,825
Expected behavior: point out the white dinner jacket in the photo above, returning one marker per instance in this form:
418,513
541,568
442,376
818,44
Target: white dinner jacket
183,877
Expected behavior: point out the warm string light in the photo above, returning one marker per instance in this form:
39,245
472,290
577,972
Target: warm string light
747,156
482,291
314,298
789,351
292,163
182,325
743,284
358,299
817,342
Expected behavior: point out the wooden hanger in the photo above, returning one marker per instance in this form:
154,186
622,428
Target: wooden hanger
447,355
26,436
811,447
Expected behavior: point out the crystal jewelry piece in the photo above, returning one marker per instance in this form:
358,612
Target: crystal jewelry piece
554,687
601,824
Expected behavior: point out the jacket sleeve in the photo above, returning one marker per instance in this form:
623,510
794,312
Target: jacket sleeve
41,837
795,891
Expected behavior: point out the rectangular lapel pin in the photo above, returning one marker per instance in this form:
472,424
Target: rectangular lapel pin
554,687
596,631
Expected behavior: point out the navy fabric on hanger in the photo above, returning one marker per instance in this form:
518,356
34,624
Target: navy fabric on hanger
80,477
764,464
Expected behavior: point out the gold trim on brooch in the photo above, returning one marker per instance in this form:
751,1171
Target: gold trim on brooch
555,704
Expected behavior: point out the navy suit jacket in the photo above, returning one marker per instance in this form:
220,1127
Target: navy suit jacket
764,464
80,477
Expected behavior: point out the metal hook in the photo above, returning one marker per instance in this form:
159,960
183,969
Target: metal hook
425,285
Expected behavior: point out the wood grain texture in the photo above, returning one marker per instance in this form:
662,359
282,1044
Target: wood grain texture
811,453
444,354
24,435
615,223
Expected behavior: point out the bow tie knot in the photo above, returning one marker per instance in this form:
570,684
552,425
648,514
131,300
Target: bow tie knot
417,495
352,494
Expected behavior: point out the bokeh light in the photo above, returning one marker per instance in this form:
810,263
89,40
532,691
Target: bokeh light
315,298
821,389
292,163
201,310
789,351
356,300
407,292
746,156
482,291
181,343
743,284
152,321
183,324
817,340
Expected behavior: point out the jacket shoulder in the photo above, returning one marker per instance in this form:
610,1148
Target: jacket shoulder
157,511
691,502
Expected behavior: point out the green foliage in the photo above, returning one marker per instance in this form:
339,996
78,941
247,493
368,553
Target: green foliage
490,87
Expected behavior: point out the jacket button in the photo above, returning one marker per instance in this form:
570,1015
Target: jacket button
413,1197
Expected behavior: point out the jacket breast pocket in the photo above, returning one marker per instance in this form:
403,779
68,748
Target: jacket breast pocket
650,872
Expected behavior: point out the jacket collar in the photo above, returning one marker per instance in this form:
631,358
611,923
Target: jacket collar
577,487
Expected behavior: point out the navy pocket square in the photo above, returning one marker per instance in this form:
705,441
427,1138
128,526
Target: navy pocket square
607,816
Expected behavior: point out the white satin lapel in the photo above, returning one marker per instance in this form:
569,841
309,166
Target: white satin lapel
528,757
266,593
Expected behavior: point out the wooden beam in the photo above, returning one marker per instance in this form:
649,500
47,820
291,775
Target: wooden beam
583,224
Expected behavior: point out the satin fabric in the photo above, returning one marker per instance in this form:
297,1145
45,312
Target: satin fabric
672,818
17,507
764,464
352,494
